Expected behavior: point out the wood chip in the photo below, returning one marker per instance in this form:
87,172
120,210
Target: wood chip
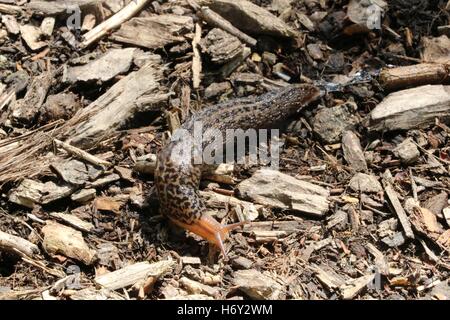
59,239
275,189
131,274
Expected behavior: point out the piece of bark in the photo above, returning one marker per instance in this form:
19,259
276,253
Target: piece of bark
104,68
59,239
426,222
411,109
72,171
155,31
108,204
275,189
288,227
329,278
251,18
12,244
380,260
93,294
195,297
249,211
257,285
131,274
362,182
228,68
191,261
26,110
352,288
114,108
83,195
436,49
217,88
32,35
415,75
437,204
195,287
118,19
146,164
353,152
58,7
223,173
366,15
73,221
29,193
89,22
398,208
221,46
110,178
216,20
11,24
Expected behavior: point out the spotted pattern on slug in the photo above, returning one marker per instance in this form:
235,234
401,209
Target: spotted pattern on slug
177,179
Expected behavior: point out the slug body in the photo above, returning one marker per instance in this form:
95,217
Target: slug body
177,176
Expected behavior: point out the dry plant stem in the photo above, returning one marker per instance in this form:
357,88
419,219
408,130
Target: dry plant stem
82,154
196,59
10,9
113,22
415,75
6,98
13,243
216,20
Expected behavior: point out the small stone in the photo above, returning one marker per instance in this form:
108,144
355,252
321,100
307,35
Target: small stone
47,26
3,62
269,57
330,123
59,106
191,260
386,227
242,263
18,81
215,89
257,285
407,151
362,182
314,51
395,240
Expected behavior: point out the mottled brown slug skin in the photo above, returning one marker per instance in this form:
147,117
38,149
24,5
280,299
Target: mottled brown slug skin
177,179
